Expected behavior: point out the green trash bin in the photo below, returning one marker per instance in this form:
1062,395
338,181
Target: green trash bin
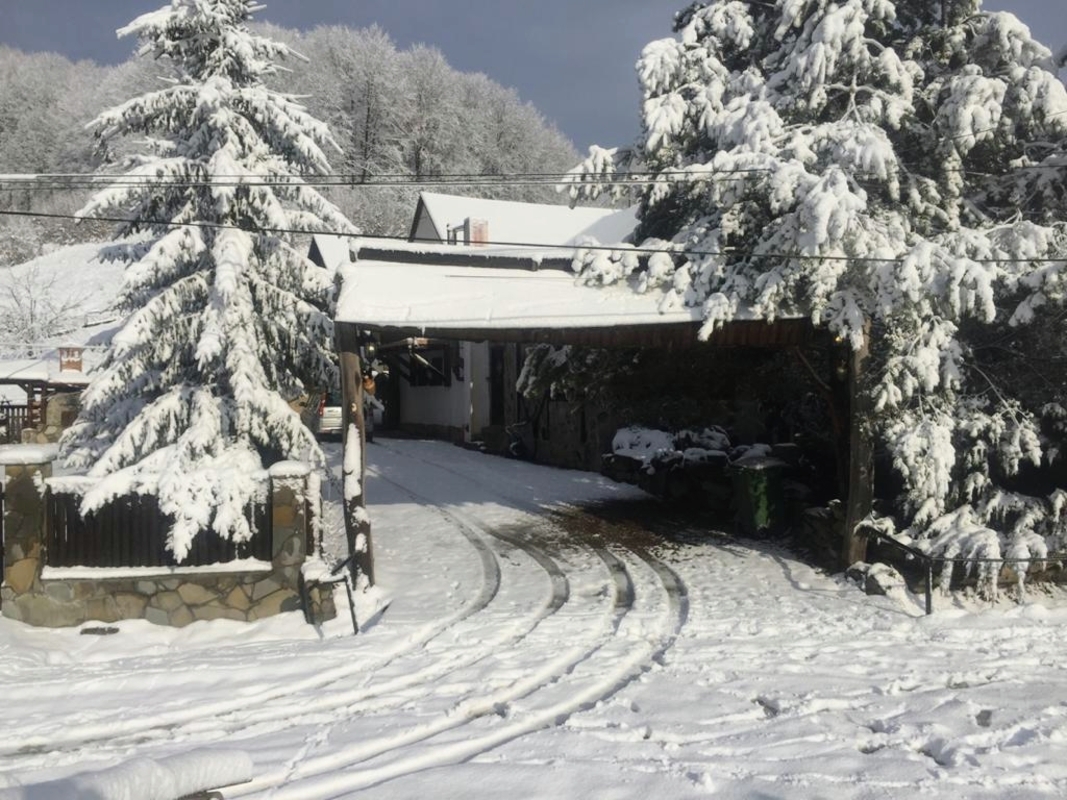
760,495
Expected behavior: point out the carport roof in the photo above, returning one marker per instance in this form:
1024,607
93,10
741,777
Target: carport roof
446,297
519,303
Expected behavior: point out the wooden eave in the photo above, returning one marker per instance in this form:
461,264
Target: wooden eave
463,256
781,333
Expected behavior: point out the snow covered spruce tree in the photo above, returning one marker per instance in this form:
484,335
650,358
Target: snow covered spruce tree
227,318
894,169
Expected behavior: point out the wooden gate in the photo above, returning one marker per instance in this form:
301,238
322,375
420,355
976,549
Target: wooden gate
12,421
131,531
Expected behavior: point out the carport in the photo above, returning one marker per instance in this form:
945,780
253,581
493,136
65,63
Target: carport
395,292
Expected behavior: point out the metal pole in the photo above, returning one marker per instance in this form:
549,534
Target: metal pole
351,605
929,587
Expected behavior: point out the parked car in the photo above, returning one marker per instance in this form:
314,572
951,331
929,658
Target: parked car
322,414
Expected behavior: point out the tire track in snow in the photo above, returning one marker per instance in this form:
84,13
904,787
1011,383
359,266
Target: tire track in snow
463,711
212,720
469,709
449,741
550,694
125,731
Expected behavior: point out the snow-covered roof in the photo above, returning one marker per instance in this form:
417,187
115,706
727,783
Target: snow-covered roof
515,222
502,292
371,248
44,369
332,249
383,294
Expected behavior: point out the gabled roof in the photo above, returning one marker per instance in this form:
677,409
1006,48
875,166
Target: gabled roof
329,251
512,222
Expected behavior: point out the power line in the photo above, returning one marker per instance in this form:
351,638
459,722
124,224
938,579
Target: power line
352,177
405,178
69,181
525,246
57,180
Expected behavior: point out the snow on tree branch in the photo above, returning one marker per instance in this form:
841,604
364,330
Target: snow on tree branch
875,166
227,320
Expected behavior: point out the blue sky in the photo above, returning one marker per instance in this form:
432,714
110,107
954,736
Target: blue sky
573,59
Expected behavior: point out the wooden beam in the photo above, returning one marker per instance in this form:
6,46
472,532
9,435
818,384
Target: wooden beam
462,256
750,333
357,523
861,457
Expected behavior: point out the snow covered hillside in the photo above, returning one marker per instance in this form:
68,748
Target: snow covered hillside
536,650
70,278
66,296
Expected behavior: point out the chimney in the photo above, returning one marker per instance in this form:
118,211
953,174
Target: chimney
479,231
70,359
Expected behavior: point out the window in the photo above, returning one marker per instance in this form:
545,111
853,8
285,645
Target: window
431,367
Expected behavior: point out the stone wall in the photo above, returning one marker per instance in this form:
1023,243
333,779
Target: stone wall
60,410
53,597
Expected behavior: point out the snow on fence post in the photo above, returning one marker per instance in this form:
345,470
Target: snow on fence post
861,457
357,523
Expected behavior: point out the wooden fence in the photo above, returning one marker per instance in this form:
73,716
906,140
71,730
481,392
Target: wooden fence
132,532
12,421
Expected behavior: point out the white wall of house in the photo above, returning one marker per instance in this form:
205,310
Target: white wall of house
463,406
433,405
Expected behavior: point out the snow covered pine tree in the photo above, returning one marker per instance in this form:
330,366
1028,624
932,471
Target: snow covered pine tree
227,317
892,166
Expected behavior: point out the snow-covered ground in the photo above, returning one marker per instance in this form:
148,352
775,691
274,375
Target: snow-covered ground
529,653
77,288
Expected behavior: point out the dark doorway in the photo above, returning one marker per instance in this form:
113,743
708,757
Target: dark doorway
496,384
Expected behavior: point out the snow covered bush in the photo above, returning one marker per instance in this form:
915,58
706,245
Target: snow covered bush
227,317
894,170
654,448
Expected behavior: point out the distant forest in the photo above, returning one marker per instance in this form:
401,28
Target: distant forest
393,112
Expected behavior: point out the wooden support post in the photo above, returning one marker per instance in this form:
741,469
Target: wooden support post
861,457
357,523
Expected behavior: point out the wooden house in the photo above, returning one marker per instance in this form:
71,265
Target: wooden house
456,297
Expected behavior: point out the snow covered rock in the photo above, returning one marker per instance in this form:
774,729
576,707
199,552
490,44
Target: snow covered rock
877,578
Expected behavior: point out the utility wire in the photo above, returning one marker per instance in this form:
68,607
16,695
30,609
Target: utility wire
525,246
56,181
403,178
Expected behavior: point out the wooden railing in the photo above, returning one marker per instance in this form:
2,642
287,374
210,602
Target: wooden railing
132,532
927,562
12,421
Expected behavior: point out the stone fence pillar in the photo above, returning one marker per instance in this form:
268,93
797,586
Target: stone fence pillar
295,509
24,467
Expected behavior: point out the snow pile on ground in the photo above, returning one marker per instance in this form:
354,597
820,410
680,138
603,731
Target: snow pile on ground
170,778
